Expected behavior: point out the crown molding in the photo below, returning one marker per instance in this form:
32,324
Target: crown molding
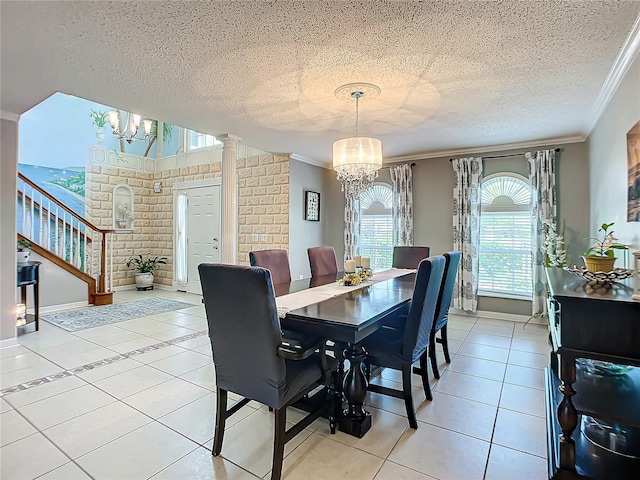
14,117
624,60
310,161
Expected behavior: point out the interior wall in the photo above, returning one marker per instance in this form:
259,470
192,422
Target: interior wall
305,234
49,291
608,161
8,179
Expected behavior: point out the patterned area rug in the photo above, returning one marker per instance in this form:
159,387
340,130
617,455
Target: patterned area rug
118,312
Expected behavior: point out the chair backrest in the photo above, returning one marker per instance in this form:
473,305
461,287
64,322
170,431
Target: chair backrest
452,261
423,305
277,261
322,261
409,257
244,330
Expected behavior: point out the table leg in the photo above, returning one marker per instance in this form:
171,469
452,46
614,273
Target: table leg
36,300
355,420
567,414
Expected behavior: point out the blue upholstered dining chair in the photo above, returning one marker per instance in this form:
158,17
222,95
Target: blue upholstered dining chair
322,261
399,348
250,357
452,261
276,261
408,257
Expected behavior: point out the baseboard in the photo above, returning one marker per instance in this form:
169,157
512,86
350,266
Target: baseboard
9,342
63,306
511,317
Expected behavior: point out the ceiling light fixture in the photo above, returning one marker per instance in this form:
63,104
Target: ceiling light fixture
357,159
133,122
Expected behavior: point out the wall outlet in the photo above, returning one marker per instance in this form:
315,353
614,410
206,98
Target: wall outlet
301,277
254,237
263,237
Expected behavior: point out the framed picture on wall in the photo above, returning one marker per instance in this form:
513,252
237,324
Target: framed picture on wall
312,206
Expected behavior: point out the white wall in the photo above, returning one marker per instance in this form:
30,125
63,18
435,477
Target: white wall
608,160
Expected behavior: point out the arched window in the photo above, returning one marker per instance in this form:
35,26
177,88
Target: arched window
376,225
505,237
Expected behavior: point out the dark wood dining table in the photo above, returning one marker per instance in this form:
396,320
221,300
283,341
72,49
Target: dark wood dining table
347,319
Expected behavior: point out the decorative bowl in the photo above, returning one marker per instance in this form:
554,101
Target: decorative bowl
601,277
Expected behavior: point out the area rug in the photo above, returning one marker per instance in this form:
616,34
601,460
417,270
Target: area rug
107,314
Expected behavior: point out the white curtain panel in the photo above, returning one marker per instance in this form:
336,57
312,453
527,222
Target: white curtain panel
181,246
351,227
467,175
542,175
402,179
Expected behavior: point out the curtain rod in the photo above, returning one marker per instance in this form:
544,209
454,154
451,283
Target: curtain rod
505,156
412,164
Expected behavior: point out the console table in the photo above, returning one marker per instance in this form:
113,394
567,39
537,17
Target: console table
28,274
592,322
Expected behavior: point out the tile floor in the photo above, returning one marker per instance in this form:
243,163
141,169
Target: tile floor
151,415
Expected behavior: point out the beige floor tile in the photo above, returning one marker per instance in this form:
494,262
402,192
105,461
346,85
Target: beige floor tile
77,360
197,343
460,415
172,332
249,443
132,381
30,457
106,371
181,363
487,339
196,420
204,377
507,464
85,433
34,394
531,330
523,399
469,387
496,322
75,347
522,432
4,406
165,397
140,454
158,354
429,450
13,427
119,335
393,471
460,325
201,465
527,359
456,334
321,458
131,345
27,374
65,406
505,331
96,333
13,351
524,376
534,346
478,367
386,429
20,361
69,471
484,352
143,326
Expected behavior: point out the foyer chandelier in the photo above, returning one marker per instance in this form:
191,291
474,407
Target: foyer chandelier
133,123
357,160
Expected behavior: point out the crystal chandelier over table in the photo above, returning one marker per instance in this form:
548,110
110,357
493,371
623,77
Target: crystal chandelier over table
357,159
133,123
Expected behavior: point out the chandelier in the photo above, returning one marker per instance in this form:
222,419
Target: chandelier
133,122
357,159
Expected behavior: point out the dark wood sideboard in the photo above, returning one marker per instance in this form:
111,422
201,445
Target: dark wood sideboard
28,273
591,322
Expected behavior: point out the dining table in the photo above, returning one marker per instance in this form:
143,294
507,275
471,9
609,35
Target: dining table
346,315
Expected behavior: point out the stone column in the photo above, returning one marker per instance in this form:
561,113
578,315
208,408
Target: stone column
229,220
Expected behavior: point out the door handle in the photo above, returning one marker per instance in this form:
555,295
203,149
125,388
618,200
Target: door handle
215,239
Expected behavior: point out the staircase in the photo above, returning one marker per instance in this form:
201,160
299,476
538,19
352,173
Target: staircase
65,238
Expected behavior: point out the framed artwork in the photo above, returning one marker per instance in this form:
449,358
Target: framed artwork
633,182
312,206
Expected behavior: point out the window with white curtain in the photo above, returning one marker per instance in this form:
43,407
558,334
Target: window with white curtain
181,237
506,235
376,226
198,140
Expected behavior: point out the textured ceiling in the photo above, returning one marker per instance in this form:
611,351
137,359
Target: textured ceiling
453,75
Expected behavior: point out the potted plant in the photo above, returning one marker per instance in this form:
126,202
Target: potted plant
99,120
24,250
600,256
144,268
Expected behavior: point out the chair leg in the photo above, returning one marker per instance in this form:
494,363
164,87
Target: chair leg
432,355
408,399
278,442
221,417
445,343
424,369
367,371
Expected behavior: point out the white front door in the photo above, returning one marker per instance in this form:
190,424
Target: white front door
203,232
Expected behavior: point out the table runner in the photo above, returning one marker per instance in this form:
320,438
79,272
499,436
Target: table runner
295,300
